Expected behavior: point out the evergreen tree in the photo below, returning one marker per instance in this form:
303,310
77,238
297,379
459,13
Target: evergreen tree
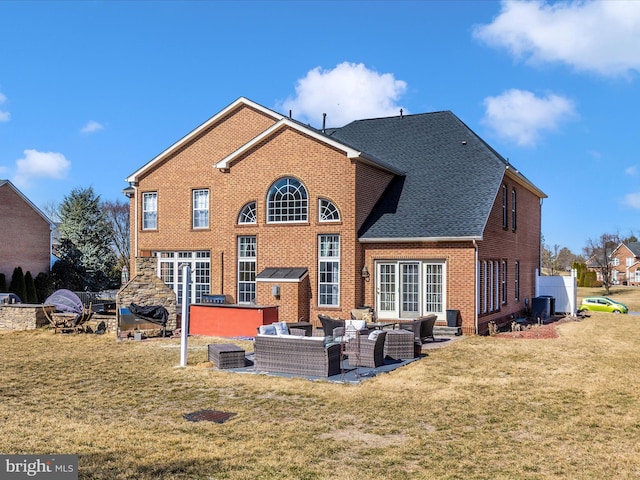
44,286
17,284
3,282
86,238
30,288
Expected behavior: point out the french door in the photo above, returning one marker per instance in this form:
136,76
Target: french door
409,289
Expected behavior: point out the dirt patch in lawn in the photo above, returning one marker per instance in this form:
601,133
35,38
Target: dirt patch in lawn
538,332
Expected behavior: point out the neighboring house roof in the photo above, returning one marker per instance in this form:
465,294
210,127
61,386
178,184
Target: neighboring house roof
634,247
29,202
452,177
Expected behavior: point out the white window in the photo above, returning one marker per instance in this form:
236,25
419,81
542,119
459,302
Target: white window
615,262
170,271
150,211
517,280
504,282
630,261
248,213
247,253
505,212
327,211
514,210
329,270
201,208
287,202
638,275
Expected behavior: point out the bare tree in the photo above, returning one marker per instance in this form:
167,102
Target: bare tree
117,214
598,253
52,210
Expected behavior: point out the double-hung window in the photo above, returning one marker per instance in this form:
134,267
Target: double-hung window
246,269
514,210
201,208
150,210
329,270
516,274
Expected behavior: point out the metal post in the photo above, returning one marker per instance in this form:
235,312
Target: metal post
186,282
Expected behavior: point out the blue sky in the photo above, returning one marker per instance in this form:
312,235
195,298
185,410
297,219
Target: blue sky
91,91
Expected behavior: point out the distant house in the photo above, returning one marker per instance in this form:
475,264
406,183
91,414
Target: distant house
25,233
412,214
625,264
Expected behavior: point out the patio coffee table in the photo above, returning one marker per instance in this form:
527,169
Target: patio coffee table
226,355
399,344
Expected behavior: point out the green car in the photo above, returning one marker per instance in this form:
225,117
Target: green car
602,304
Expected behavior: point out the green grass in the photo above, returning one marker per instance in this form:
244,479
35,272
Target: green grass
480,408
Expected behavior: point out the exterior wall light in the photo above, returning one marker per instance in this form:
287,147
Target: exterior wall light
365,273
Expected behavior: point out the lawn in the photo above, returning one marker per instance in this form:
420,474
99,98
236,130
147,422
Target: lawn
480,408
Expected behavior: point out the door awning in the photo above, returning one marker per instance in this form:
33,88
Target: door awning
282,274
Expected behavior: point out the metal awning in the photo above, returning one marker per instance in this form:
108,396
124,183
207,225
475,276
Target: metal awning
282,274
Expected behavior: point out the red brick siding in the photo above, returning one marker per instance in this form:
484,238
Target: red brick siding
522,245
460,272
24,236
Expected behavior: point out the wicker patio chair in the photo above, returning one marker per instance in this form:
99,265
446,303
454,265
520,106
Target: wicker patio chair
422,328
329,324
366,352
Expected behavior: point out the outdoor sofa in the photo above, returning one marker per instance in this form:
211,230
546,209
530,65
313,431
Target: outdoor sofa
280,352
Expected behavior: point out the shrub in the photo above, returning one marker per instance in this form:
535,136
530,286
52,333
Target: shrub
17,284
30,289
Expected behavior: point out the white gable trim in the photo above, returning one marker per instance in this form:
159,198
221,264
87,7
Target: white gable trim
285,122
194,133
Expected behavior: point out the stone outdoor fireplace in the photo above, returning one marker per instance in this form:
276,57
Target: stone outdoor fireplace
146,289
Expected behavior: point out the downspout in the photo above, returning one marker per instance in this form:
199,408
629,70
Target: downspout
135,222
475,287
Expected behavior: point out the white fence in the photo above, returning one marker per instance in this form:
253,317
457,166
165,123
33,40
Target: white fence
563,288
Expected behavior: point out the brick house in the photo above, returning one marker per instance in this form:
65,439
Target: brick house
25,233
411,214
625,264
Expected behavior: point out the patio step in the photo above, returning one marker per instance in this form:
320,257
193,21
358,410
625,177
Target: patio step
441,331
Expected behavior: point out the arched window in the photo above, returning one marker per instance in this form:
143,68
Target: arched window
287,201
248,213
327,211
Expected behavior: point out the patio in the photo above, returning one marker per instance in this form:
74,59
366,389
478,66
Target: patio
347,374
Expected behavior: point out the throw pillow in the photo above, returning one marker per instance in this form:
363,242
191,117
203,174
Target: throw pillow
374,335
281,328
267,330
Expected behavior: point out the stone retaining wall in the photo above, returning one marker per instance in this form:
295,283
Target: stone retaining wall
23,316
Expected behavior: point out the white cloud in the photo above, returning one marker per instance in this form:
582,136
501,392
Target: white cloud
91,127
632,170
521,117
40,164
4,116
348,92
600,36
632,200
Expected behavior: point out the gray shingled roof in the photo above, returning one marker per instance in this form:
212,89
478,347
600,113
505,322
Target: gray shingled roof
452,176
634,247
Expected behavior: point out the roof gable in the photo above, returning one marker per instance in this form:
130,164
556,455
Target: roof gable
8,184
239,103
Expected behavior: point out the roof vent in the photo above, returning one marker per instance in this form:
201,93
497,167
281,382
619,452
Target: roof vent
401,113
324,122
464,142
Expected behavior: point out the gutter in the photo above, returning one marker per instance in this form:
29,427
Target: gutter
471,238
